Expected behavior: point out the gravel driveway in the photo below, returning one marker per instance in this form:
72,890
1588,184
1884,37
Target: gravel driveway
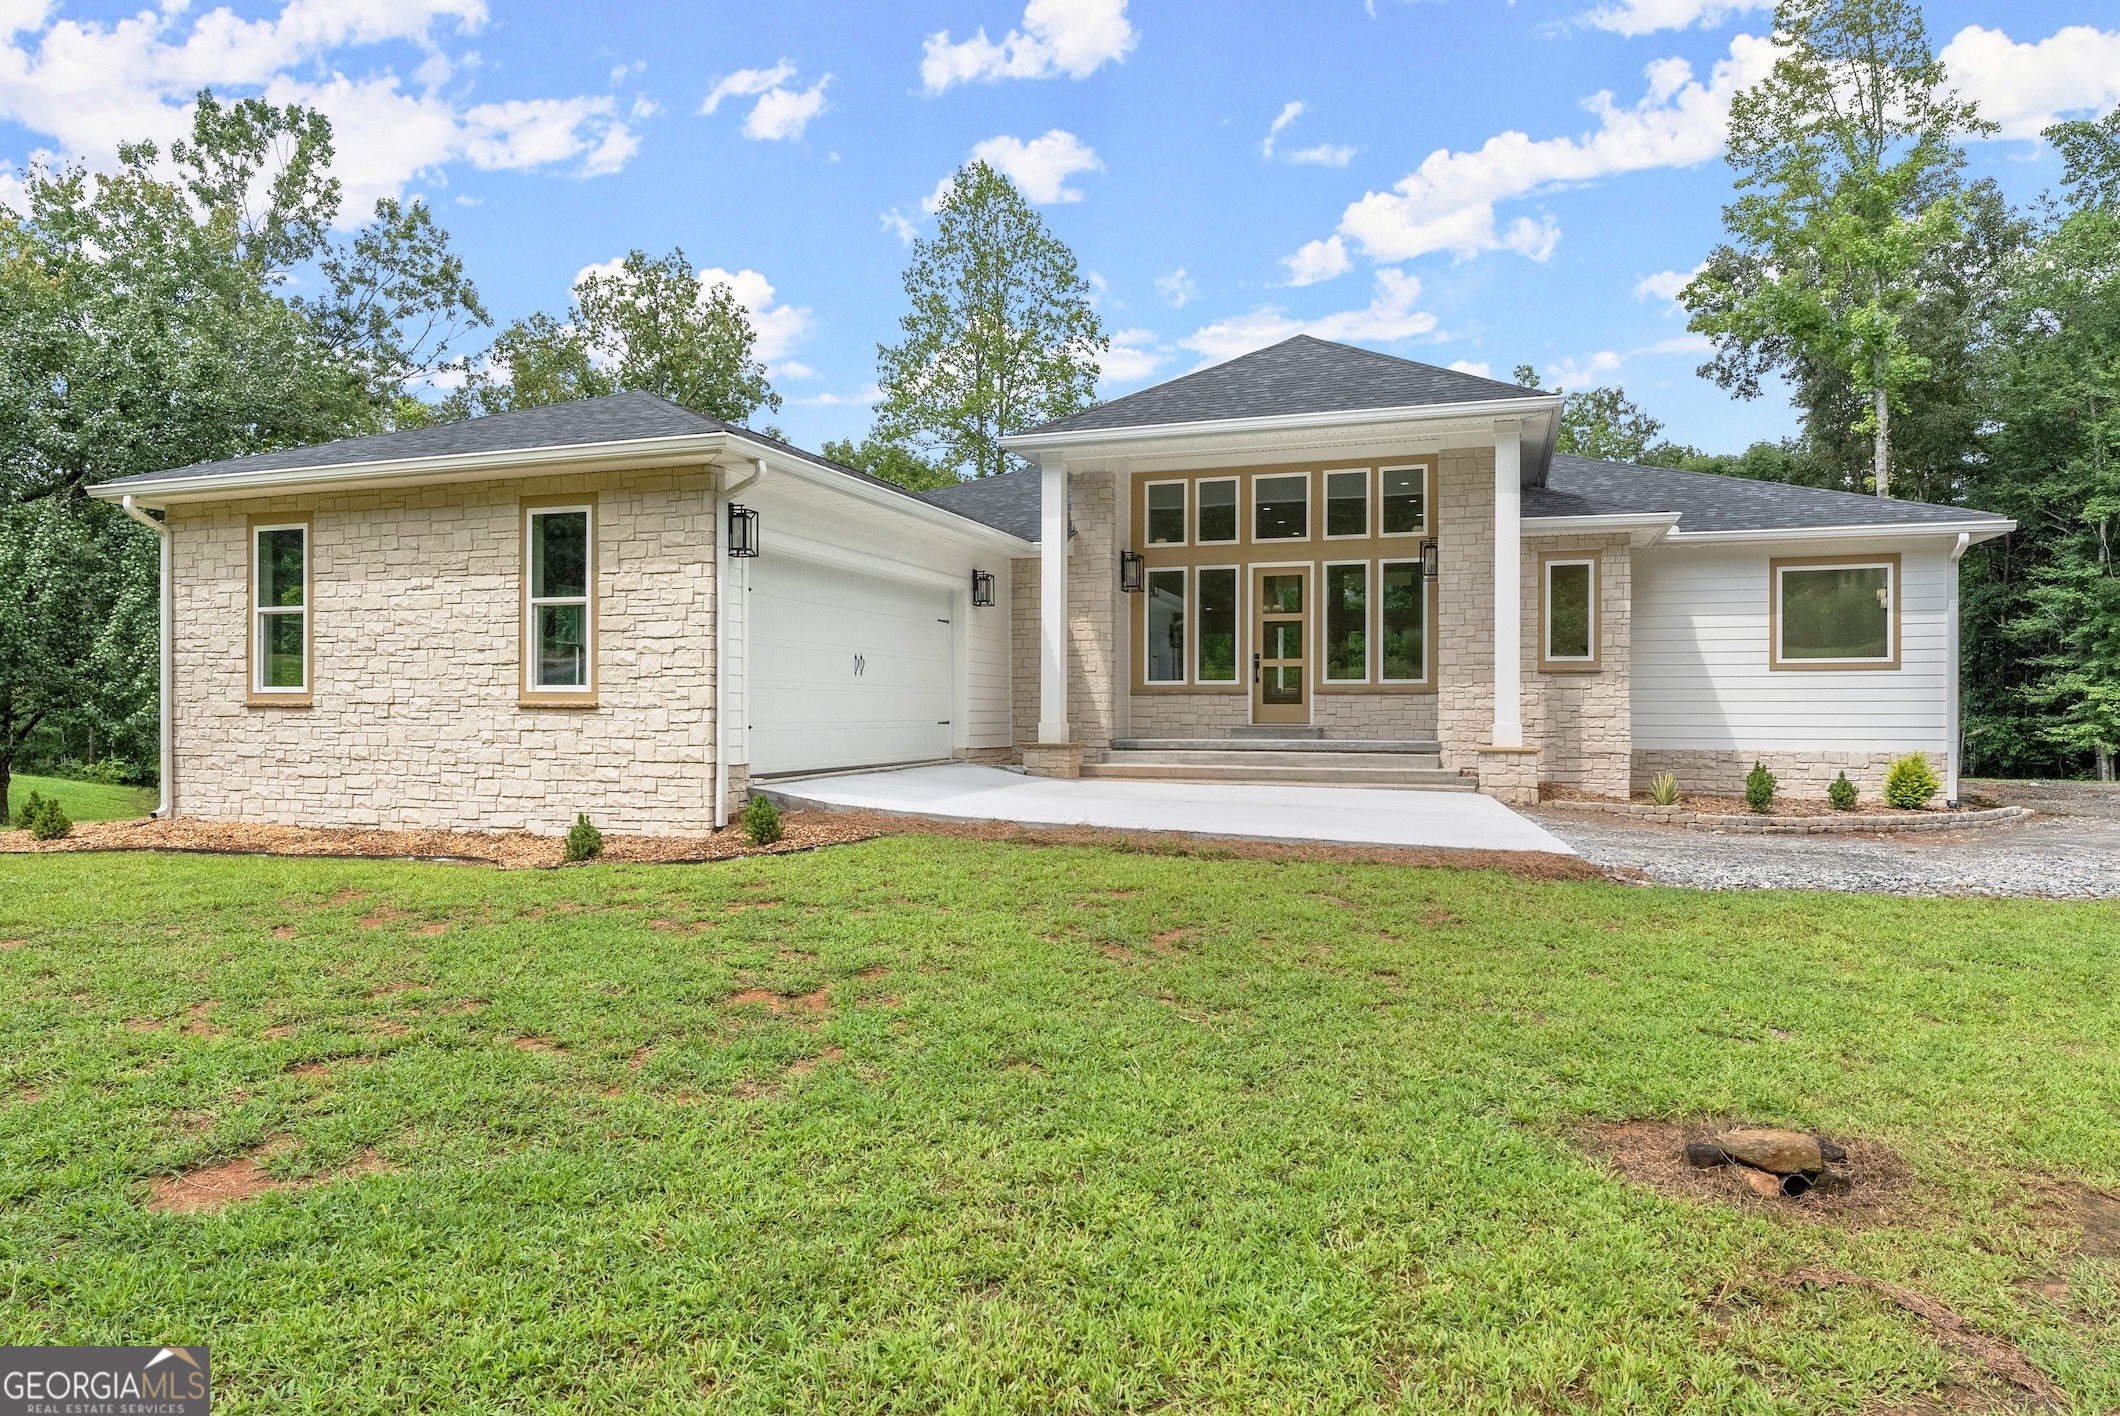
2070,851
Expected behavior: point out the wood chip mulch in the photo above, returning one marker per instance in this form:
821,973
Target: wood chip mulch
805,830
1555,794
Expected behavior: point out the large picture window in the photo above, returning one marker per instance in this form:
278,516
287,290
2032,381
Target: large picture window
1347,623
1837,614
1166,626
1402,618
559,631
279,632
1568,612
1281,508
1216,614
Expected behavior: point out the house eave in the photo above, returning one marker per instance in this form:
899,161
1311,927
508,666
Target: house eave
1641,529
1986,529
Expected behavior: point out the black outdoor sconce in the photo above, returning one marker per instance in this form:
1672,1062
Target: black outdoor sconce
743,530
1431,561
1130,563
983,589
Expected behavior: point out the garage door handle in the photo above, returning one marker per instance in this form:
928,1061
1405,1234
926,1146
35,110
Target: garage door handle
1254,669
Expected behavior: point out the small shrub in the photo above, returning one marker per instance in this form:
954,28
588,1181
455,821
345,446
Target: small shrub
1841,793
584,841
26,811
1759,788
761,822
110,771
1664,790
1911,782
49,821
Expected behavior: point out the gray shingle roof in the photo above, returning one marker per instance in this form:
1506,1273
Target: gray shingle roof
1576,486
1705,501
1299,375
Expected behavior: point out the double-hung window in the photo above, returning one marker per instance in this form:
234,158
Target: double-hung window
279,625
559,628
1836,614
1568,612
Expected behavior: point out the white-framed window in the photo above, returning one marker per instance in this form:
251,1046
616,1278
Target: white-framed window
1166,514
1217,614
280,609
559,606
1568,611
1164,640
1833,613
1216,499
1403,505
1402,622
1344,646
1280,507
1347,504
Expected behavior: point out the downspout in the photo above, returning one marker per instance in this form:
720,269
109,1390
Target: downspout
1953,746
723,567
166,637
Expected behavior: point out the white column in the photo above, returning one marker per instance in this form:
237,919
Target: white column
1508,585
1052,603
1951,730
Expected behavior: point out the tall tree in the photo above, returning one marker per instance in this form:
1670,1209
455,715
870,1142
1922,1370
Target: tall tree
652,325
1849,169
1602,422
1001,334
889,462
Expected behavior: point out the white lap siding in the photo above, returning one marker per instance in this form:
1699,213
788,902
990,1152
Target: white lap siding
1706,703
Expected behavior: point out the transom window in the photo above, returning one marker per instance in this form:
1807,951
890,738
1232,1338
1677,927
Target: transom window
280,627
1166,513
1836,615
1218,510
1281,508
1347,503
558,602
1405,501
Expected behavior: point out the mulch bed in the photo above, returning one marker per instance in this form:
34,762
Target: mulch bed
1728,805
805,830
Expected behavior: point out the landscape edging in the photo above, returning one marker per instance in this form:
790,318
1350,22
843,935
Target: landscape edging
1892,823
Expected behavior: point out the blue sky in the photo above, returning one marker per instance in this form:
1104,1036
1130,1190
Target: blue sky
1457,181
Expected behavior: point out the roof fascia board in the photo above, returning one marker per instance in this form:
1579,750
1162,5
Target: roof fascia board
1643,528
1529,405
927,513
1982,530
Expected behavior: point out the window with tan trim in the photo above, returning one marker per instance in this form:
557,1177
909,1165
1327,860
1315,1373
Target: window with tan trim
1404,504
1166,514
559,602
1568,612
279,616
1402,622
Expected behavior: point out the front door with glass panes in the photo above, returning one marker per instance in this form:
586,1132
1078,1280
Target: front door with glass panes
1280,681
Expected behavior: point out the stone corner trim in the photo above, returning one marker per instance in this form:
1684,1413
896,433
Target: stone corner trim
1509,774
1052,759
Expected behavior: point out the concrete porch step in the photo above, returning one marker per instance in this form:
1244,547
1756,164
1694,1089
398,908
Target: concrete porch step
1121,768
1275,730
1361,746
1263,755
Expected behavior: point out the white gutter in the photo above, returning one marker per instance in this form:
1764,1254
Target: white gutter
1286,422
1951,744
724,575
1644,529
1977,531
166,637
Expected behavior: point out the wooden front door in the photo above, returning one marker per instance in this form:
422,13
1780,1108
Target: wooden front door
1280,679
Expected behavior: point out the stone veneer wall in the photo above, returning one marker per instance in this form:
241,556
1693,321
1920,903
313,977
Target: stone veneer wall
1721,772
1398,716
1023,654
1464,641
1582,723
1096,646
415,611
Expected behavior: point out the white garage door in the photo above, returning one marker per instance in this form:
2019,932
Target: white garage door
847,669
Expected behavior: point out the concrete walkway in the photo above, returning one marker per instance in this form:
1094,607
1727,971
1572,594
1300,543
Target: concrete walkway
1341,815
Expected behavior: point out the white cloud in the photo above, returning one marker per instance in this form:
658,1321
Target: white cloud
745,83
1570,374
867,397
1072,37
1323,155
1666,284
2027,87
1389,316
1680,344
1633,17
1478,368
1289,113
1040,167
1178,289
1131,359
1448,203
779,327
1318,260
900,225
781,112
91,86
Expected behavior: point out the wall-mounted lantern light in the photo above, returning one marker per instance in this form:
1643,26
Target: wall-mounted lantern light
1431,561
1130,563
743,530
983,589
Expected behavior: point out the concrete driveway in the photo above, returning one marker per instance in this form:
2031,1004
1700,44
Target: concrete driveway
1340,815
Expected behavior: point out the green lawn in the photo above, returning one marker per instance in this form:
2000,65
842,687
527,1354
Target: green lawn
1309,1152
84,801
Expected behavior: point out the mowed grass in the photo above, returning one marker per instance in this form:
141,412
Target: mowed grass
83,801
1068,1129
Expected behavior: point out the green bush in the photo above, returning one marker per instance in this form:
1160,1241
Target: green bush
1759,788
1911,782
1841,793
761,822
584,841
1664,790
43,818
26,811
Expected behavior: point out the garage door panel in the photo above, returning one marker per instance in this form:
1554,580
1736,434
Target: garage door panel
847,669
